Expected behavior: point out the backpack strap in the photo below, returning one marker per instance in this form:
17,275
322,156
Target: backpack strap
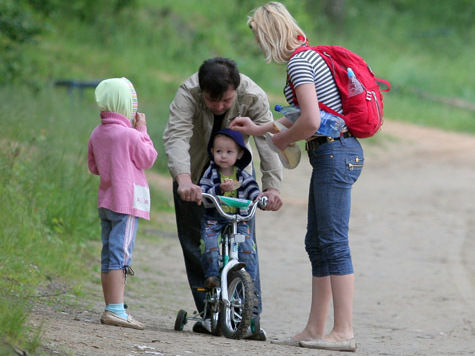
305,47
292,88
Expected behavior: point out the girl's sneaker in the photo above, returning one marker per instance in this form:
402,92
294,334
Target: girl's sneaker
110,318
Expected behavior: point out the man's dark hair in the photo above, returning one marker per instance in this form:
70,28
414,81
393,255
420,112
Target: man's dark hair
216,75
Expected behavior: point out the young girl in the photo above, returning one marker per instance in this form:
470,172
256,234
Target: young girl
336,163
119,150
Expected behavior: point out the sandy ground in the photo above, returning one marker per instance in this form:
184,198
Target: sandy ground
412,237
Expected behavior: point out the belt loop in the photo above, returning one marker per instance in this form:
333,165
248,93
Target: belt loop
308,146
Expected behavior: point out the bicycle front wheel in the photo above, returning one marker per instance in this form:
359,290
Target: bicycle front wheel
214,312
236,317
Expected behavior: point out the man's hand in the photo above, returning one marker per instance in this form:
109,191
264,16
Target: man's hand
274,202
187,190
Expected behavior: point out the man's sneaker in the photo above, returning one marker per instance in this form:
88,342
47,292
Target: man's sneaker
255,332
257,336
110,318
211,282
202,326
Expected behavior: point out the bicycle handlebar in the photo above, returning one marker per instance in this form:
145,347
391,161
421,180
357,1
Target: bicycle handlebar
262,202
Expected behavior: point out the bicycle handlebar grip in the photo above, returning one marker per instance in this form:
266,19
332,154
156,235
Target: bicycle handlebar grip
262,202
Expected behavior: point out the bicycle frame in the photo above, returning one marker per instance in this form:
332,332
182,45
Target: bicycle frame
230,253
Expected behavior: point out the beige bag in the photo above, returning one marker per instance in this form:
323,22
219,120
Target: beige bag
290,157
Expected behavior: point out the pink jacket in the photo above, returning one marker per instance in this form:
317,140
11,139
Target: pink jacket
118,153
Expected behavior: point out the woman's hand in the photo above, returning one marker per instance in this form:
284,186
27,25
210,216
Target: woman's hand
280,141
246,126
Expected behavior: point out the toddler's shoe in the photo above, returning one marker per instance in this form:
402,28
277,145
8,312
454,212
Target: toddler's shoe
110,318
211,282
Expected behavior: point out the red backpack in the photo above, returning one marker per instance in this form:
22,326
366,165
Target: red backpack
363,113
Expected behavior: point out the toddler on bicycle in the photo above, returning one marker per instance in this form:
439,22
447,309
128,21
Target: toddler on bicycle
119,151
226,176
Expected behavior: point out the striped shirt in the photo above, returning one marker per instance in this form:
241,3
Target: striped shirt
309,67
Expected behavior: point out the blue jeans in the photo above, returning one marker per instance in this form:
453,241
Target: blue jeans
118,239
211,233
336,166
188,221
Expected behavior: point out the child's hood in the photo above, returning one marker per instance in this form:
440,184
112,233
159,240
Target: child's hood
117,95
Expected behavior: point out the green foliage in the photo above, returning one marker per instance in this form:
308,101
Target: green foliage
48,204
19,24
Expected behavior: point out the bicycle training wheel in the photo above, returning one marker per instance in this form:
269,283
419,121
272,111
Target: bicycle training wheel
180,320
236,317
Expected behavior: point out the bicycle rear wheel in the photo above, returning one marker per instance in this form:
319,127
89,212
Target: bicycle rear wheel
236,317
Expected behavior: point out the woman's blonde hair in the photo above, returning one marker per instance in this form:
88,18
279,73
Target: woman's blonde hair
276,31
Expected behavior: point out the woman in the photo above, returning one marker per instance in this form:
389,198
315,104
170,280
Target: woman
326,241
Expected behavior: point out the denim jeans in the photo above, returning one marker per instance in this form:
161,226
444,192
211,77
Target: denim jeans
212,227
118,239
336,166
188,221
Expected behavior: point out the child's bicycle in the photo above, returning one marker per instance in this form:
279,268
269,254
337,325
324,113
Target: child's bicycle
229,307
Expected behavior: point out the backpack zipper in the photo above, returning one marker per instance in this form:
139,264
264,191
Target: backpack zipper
369,96
377,105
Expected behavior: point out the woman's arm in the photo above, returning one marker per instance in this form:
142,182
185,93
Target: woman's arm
246,126
308,122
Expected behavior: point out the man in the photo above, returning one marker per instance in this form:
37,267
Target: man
204,104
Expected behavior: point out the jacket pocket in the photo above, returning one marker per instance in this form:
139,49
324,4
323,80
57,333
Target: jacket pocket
141,198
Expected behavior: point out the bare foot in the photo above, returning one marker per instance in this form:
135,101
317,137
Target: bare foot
306,335
336,336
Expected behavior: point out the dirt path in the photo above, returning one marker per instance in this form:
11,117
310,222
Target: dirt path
412,236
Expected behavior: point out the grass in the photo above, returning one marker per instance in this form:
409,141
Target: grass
48,204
